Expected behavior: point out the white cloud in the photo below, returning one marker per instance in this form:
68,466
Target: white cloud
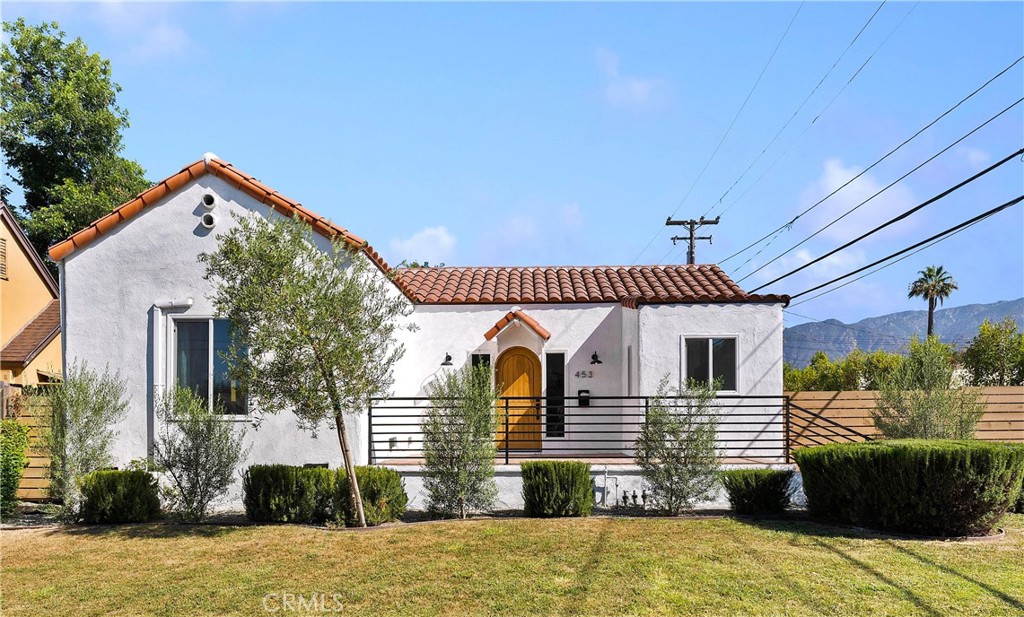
162,40
139,32
431,244
975,157
629,90
541,234
834,175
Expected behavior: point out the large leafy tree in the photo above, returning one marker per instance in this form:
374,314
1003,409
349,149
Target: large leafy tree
934,285
316,328
996,356
60,131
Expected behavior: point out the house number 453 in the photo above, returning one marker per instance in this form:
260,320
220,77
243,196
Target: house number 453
584,374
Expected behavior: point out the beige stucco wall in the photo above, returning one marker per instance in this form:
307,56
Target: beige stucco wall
23,294
48,361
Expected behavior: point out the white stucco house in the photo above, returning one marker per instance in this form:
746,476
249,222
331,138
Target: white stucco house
576,349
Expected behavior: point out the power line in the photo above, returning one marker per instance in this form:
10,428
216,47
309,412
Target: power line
801,106
941,234
869,167
851,210
891,221
811,124
728,130
891,263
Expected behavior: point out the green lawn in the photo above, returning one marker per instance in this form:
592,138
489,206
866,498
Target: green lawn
596,566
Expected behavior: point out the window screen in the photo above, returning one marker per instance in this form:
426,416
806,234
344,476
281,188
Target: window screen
723,361
193,362
696,360
200,347
711,359
555,402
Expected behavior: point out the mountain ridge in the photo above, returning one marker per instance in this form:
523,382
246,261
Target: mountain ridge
892,332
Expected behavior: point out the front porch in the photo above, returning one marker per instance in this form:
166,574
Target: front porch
752,430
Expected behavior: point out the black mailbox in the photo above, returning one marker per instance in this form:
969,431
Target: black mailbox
584,398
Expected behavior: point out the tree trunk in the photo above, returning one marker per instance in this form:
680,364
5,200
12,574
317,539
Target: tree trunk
350,468
931,316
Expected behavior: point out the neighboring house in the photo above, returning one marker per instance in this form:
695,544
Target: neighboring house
29,310
584,345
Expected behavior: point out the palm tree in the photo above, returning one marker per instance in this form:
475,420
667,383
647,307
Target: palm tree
934,284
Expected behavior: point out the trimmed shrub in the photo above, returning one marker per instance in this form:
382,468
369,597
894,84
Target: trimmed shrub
758,491
382,491
115,496
557,488
1019,506
13,445
288,494
927,487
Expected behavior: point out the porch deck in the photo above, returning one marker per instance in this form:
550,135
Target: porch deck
604,458
601,430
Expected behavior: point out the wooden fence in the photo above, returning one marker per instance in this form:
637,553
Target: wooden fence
32,412
823,417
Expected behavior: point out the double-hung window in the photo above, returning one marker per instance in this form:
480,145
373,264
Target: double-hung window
711,359
200,346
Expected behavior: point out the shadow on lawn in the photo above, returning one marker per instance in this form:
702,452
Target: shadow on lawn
903,590
1001,595
817,530
146,530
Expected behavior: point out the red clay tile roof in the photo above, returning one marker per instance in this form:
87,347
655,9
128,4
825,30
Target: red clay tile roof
630,285
33,338
517,314
227,172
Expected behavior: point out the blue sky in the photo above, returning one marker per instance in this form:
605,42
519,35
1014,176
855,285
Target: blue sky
565,134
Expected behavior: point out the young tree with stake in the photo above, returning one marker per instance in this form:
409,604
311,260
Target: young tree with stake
316,328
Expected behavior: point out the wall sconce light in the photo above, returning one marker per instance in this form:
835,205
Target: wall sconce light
595,360
447,360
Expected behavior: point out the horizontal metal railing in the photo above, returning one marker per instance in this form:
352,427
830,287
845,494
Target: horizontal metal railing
750,429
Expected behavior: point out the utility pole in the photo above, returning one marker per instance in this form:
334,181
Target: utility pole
694,225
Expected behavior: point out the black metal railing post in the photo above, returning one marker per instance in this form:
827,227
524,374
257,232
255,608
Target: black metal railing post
506,431
369,434
785,429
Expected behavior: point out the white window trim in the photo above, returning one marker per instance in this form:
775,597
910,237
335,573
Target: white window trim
711,358
171,363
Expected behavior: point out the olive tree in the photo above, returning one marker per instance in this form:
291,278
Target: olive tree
918,400
458,442
198,450
316,326
79,432
677,449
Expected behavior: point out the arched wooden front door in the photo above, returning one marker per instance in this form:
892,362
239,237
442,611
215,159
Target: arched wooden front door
517,374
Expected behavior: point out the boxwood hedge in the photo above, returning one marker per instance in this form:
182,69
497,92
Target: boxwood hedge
557,488
119,496
758,491
288,494
382,491
927,487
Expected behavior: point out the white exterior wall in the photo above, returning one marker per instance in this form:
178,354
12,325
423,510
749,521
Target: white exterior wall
757,329
110,287
109,292
577,330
